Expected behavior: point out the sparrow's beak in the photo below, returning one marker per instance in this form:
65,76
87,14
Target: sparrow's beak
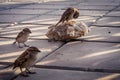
30,32
38,50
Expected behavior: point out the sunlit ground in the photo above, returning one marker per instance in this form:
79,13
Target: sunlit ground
38,17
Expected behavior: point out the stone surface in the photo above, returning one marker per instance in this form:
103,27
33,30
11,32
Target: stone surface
94,7
13,18
53,19
43,6
99,50
112,21
115,13
103,34
23,12
94,2
118,8
38,31
9,52
44,74
82,12
86,54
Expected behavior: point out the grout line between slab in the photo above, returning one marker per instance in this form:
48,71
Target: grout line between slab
106,13
85,69
53,51
52,67
106,26
83,40
74,68
17,6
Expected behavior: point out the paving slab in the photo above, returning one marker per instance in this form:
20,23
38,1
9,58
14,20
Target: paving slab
52,19
16,15
94,7
118,8
86,54
14,18
82,12
23,12
6,74
3,25
64,2
100,52
100,1
38,31
114,13
103,34
7,6
44,74
112,21
43,6
9,52
96,2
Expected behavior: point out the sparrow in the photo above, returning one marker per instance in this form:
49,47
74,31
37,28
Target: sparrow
70,13
22,37
26,60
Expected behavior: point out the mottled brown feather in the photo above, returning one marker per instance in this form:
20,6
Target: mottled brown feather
69,14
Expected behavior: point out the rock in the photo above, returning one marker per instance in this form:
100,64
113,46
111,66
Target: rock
67,31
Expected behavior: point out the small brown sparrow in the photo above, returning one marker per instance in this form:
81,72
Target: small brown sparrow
22,37
69,14
26,60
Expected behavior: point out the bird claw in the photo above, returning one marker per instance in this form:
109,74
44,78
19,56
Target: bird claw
24,75
20,47
49,40
32,72
26,45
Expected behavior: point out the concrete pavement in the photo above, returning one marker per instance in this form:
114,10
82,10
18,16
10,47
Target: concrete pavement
96,57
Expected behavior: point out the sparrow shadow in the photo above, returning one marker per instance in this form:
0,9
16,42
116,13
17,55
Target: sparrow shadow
8,50
7,75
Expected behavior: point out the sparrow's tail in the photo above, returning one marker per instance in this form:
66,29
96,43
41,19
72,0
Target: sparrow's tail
14,67
57,23
14,42
10,65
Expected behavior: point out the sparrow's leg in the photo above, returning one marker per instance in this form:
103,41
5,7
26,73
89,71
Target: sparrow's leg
21,69
50,40
22,73
14,42
26,45
30,71
19,45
